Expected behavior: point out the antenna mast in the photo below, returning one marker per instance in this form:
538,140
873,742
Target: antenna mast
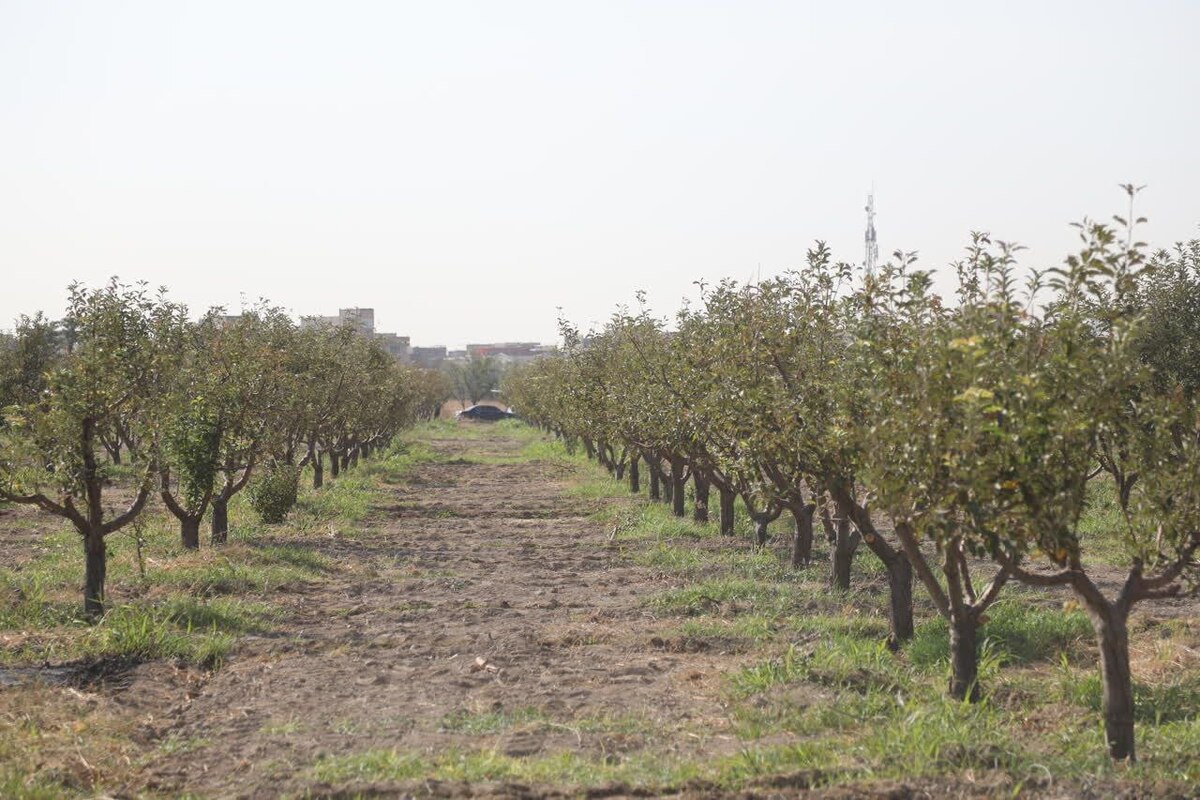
872,246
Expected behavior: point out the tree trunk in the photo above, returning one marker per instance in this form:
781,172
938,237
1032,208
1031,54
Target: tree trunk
964,657
841,554
655,481
802,543
827,524
1112,635
220,520
668,488
900,599
899,570
318,465
189,532
700,512
94,572
761,522
589,448
678,486
365,450
334,465
635,479
728,498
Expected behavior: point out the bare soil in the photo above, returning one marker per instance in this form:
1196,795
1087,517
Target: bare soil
476,591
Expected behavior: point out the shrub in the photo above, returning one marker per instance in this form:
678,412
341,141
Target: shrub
273,493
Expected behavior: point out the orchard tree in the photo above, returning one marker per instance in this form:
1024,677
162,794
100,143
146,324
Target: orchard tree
26,357
1093,401
110,377
224,407
941,427
1168,337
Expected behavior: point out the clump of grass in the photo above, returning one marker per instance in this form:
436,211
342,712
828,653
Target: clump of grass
242,569
840,662
789,667
143,633
941,736
728,595
488,722
16,784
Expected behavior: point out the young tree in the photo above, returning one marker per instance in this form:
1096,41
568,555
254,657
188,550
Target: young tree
939,427
110,376
224,405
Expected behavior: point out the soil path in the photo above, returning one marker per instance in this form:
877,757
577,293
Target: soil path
481,589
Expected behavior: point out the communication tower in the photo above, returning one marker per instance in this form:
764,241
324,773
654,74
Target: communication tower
872,246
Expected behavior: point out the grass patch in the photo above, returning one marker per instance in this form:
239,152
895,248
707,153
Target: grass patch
1177,700
731,595
489,722
1018,630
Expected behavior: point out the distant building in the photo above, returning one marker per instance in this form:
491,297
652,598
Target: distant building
428,357
360,319
362,322
397,345
508,352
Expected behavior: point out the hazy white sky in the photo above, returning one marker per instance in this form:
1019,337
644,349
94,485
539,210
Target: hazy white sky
467,167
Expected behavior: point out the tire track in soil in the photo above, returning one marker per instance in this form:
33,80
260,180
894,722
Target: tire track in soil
465,561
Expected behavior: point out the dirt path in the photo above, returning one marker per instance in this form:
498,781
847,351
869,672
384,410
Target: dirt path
480,593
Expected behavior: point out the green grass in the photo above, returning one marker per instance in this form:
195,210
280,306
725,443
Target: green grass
1101,528
489,722
1019,631
1176,700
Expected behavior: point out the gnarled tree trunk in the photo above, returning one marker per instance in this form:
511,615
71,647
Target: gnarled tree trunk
189,532
679,479
841,554
899,570
964,656
220,520
761,532
635,478
802,543
1110,623
728,498
700,511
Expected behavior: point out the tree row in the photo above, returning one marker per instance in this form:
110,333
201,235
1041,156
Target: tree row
127,399
959,443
